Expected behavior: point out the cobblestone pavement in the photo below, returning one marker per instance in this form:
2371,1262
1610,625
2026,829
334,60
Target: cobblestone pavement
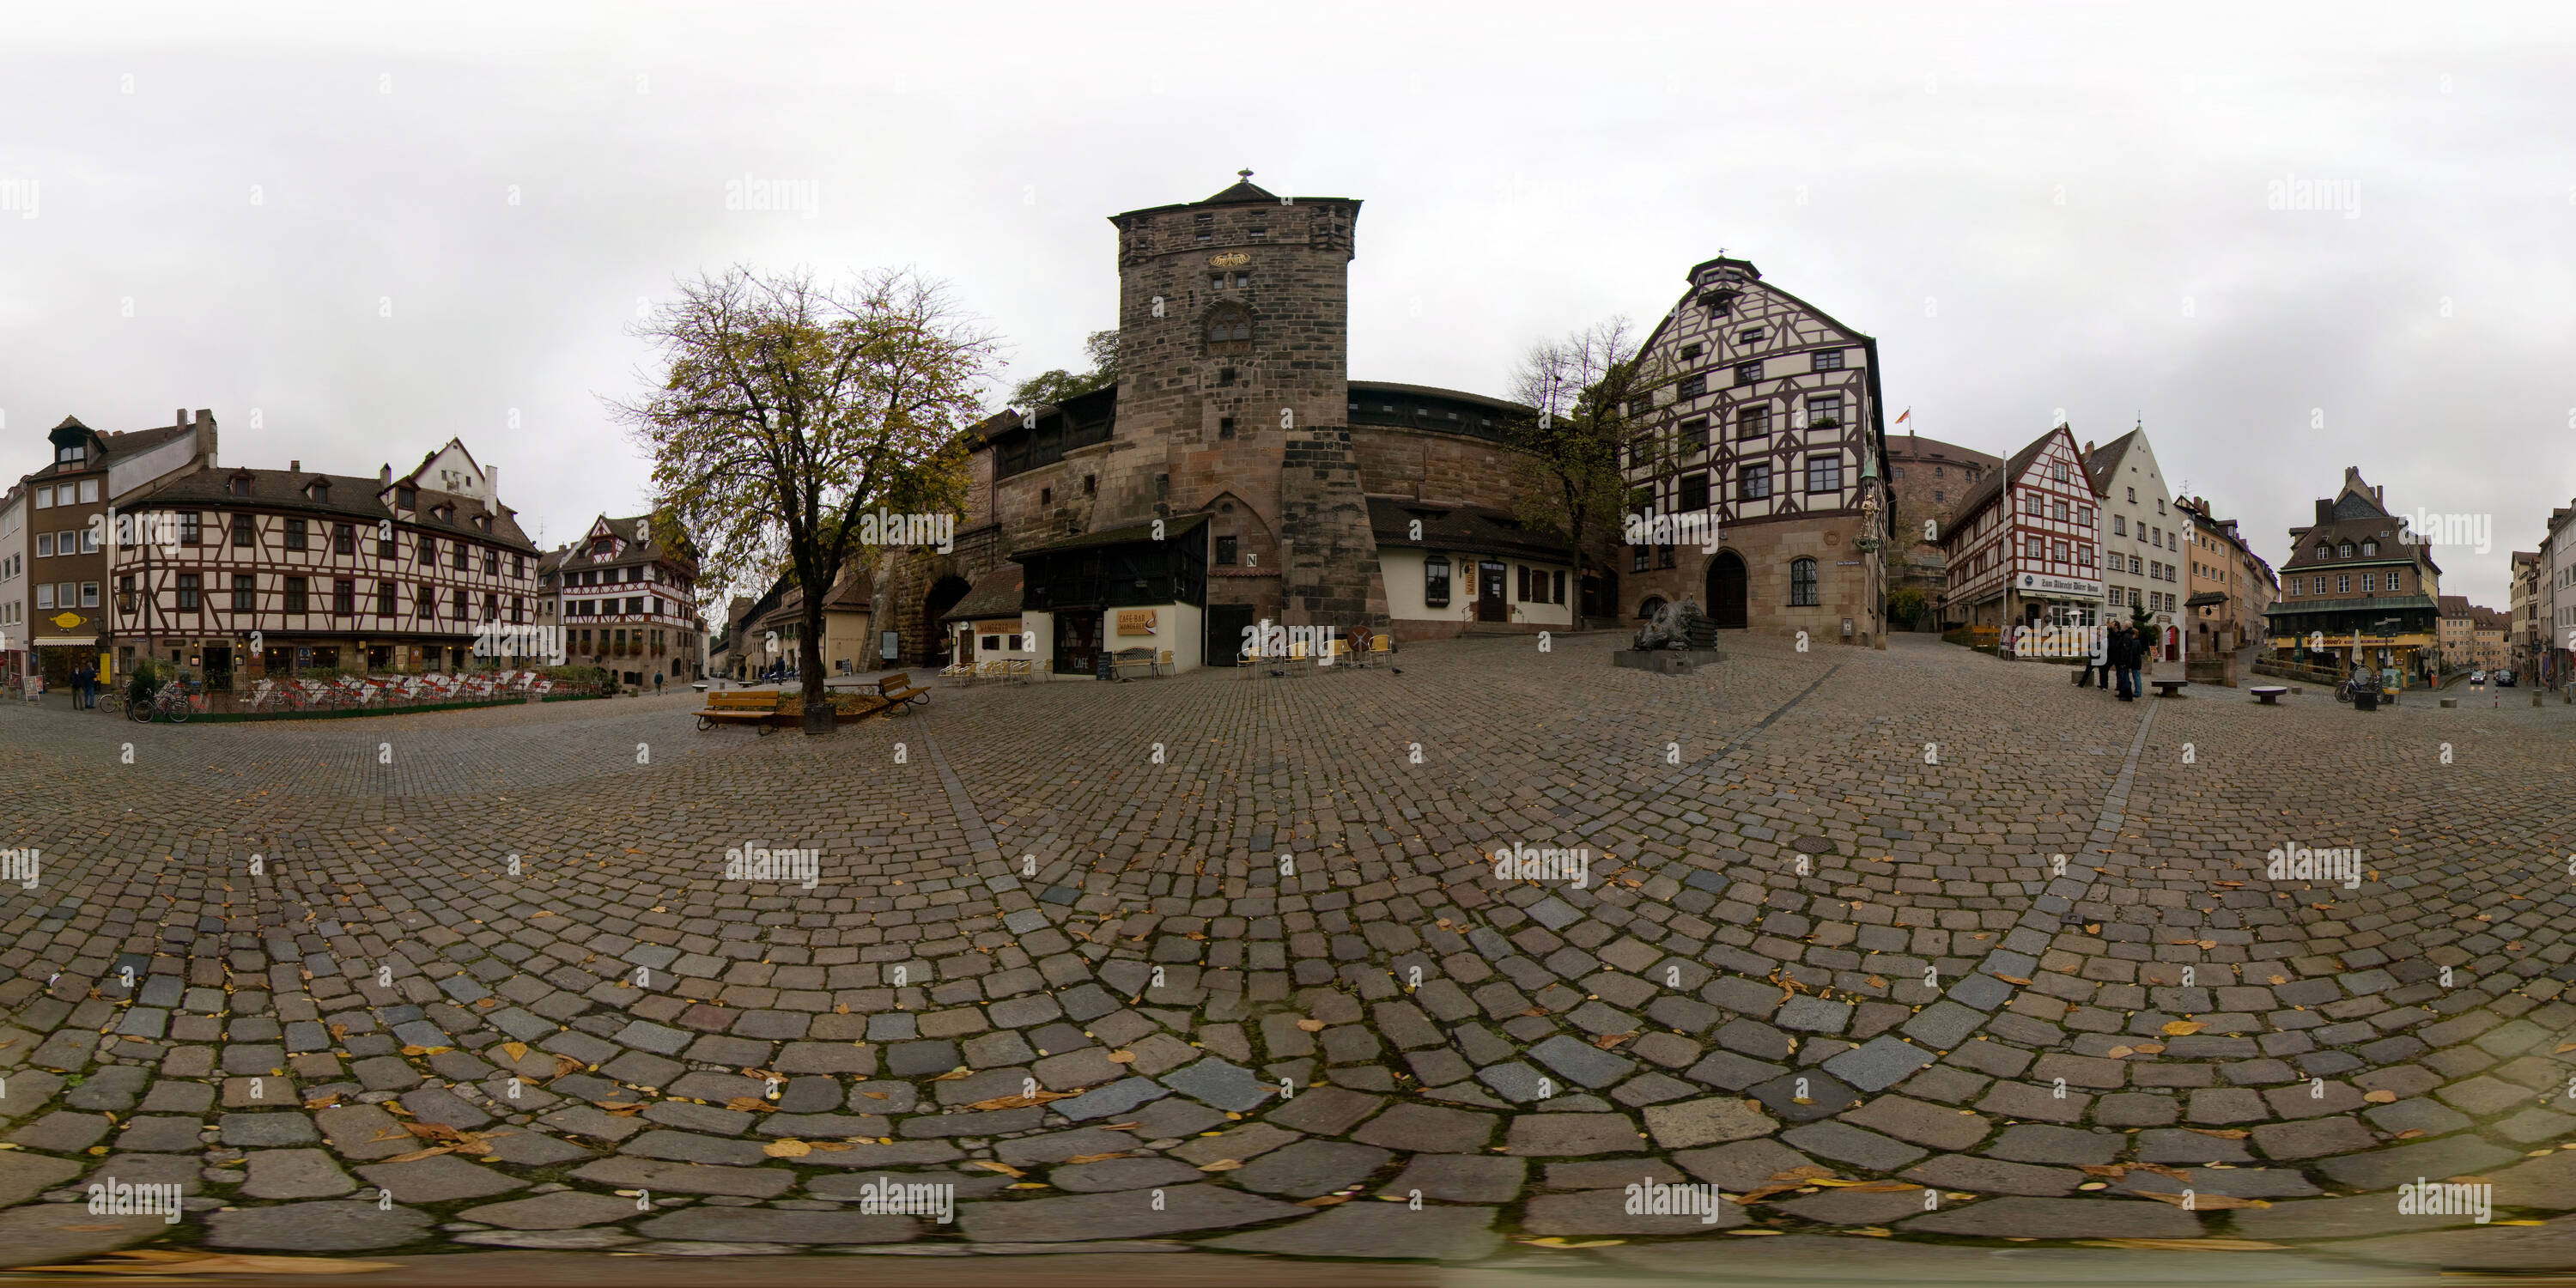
1224,964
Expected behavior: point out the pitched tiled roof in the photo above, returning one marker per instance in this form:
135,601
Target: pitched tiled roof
351,497
1466,529
1991,486
995,594
2102,464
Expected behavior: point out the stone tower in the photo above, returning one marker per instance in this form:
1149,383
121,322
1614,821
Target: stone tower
1233,354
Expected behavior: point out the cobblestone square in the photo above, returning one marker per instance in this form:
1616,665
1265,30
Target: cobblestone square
1910,942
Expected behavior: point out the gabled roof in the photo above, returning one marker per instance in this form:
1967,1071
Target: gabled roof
996,594
350,497
1466,529
2102,464
1991,485
1242,190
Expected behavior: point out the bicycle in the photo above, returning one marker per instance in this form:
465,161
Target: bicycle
171,701
111,699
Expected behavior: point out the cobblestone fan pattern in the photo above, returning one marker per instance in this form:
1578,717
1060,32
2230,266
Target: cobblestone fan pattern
490,986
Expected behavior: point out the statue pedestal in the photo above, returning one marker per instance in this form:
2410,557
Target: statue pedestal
1665,661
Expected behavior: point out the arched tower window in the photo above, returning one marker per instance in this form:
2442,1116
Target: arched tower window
1228,330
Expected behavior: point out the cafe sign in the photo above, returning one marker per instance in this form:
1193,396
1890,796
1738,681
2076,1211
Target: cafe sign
1135,621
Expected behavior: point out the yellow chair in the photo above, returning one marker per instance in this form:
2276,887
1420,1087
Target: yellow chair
1167,662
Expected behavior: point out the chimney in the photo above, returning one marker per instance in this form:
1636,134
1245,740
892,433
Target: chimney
385,475
295,467
2088,447
180,418
492,484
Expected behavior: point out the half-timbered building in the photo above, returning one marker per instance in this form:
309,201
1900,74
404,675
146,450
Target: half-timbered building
1762,412
2024,548
246,573
626,596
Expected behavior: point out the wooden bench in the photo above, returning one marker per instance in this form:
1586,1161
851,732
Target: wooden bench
2269,694
2167,688
898,690
1132,657
759,707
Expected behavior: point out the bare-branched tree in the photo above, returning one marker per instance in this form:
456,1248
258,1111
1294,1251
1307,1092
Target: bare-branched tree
1593,393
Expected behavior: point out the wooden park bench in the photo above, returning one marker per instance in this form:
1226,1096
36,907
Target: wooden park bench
2269,694
2167,688
1126,658
760,707
898,690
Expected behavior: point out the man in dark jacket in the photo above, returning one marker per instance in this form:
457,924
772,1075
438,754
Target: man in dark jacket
2124,644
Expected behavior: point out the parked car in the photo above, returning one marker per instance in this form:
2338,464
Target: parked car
2477,677
2504,678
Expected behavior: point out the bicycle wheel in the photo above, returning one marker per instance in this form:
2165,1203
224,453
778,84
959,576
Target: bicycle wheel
181,710
139,712
111,702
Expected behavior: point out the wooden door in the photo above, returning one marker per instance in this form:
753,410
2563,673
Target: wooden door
1727,588
1077,642
1490,606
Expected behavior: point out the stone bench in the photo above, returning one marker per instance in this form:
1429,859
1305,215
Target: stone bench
2269,694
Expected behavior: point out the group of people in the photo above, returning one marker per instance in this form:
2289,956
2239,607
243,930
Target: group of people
2125,651
84,680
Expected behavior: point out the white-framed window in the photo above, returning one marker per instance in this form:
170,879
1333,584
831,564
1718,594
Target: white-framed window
45,497
88,491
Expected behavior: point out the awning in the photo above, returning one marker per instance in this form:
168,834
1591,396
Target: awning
65,641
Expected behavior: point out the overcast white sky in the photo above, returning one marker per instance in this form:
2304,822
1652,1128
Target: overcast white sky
2032,207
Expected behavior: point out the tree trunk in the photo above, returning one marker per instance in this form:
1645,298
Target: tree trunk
809,653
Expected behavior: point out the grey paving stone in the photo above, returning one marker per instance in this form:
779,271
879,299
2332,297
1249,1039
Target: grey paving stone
158,1134
1562,1135
271,1129
2035,1218
1130,1215
690,1147
329,1226
1324,1111
1995,1176
439,1179
1227,1086
2313,1138
2064,1146
562,1209
60,1233
23,1175
1120,1097
1382,1230
1879,1063
582,1240
1714,1120
1460,1178
768,1225
1605,1212
1122,1174
1856,1206
1426,1129
295,1174
1310,1168
1813,1015
1583,1063
2432,1159
695,1178
62,1132
1846,1143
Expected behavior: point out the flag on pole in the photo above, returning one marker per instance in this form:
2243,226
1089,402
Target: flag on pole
1908,412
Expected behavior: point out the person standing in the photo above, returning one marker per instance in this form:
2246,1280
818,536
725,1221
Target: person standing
84,685
2122,643
657,683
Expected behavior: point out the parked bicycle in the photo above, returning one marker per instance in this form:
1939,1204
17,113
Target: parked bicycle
111,699
171,701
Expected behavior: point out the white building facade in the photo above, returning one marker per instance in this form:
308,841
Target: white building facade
2145,539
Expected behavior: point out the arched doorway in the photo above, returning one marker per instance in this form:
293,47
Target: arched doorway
1727,589
944,594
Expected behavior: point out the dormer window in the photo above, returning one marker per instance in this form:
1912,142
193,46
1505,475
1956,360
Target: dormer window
2344,551
320,492
2369,548
407,497
71,454
483,521
445,513
241,485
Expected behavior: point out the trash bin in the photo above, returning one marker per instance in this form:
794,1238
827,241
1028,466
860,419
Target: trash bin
2365,699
